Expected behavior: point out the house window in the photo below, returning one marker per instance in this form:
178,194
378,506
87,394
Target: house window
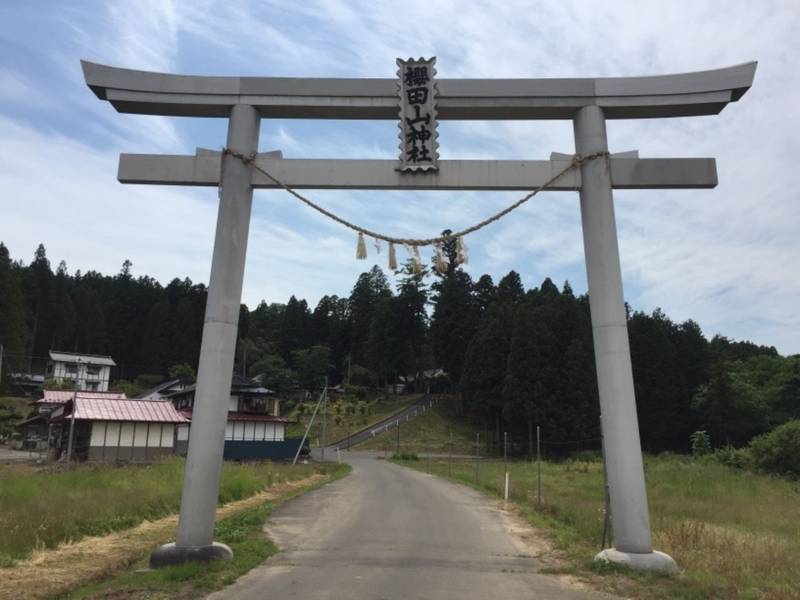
93,370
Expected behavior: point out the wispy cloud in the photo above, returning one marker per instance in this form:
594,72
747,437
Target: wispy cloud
725,257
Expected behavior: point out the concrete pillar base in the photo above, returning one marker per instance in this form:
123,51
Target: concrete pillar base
652,561
171,554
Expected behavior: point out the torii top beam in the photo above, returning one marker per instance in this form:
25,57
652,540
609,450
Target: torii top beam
680,95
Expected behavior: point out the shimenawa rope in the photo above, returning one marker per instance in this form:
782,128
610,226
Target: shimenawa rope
413,244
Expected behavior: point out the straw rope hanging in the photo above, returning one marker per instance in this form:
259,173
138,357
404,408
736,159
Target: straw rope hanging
414,244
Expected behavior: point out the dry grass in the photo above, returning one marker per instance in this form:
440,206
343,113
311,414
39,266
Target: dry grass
745,564
436,431
54,572
736,534
44,507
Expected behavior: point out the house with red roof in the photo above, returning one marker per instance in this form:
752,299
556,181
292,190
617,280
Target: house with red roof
88,427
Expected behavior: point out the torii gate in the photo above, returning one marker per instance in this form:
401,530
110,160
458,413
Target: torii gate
587,102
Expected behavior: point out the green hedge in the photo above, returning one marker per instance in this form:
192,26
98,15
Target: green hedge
778,451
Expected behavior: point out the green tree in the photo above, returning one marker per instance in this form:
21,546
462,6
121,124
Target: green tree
661,399
39,299
13,330
312,366
454,321
275,375
530,383
368,290
731,410
381,341
412,354
64,317
182,371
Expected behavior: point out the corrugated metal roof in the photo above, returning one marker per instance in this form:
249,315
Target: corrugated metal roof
89,359
97,409
63,396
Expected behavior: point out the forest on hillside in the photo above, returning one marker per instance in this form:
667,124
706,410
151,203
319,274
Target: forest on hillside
514,358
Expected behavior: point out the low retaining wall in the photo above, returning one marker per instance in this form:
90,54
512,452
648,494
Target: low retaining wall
243,450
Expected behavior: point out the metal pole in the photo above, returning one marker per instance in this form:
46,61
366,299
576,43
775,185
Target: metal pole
505,451
425,444
450,455
612,351
72,427
308,427
538,466
325,419
477,455
505,465
217,351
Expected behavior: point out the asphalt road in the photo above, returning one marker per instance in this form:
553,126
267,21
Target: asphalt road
386,532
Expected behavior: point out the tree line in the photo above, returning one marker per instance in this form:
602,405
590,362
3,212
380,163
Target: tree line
514,358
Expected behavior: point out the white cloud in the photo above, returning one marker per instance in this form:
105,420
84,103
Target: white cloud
724,257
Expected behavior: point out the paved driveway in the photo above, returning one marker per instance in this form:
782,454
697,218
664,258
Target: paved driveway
386,532
9,455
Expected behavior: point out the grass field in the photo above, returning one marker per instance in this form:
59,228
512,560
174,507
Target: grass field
345,417
735,534
436,431
242,531
43,507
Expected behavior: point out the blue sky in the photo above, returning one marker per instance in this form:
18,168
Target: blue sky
726,257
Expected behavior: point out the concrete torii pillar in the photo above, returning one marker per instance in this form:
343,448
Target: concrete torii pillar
621,444
217,351
587,102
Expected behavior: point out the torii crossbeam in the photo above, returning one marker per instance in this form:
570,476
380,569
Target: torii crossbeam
586,102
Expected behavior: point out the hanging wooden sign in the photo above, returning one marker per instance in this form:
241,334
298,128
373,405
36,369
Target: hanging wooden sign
417,89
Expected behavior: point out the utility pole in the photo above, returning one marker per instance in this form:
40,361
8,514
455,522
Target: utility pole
325,418
1,365
308,427
398,439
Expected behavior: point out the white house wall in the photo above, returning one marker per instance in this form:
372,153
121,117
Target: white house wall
78,373
108,434
250,431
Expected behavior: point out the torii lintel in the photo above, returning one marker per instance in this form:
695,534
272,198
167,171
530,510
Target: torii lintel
677,95
203,169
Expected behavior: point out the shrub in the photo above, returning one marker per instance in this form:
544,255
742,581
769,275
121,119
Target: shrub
701,443
779,450
59,384
405,456
358,392
587,456
738,458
